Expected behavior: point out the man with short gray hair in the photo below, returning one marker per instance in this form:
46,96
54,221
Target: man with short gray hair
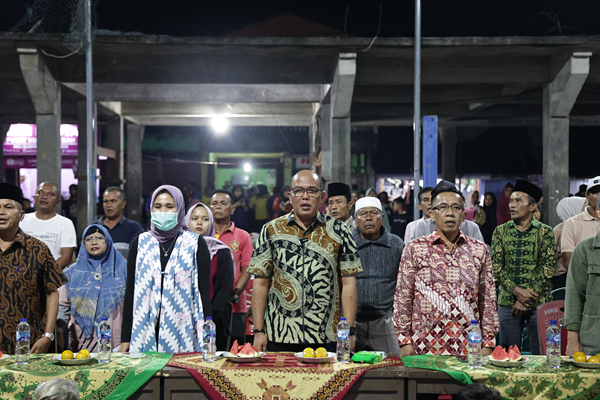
122,230
57,389
379,252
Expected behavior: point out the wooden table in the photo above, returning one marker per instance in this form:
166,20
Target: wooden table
425,381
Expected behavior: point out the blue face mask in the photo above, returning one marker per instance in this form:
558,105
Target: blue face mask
165,221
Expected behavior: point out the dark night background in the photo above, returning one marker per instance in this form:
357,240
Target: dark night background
493,152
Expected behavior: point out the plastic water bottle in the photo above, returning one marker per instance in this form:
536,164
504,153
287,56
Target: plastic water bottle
474,345
210,338
553,345
343,341
104,343
23,340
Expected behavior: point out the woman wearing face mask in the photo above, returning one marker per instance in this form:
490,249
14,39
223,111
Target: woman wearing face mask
200,220
168,286
95,290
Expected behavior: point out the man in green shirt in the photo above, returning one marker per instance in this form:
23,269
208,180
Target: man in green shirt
524,260
582,301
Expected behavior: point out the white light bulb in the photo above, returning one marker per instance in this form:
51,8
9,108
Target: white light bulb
220,124
247,167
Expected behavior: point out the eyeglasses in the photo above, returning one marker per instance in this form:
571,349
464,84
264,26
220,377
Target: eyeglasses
311,191
445,208
97,239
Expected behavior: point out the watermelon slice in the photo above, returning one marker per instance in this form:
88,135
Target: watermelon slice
248,351
235,349
499,354
514,354
1,354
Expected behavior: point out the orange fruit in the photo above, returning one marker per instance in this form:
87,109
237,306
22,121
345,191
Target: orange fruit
579,357
320,352
594,360
308,352
81,355
67,355
84,351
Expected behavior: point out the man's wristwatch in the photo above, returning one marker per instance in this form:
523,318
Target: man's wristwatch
258,331
352,331
49,336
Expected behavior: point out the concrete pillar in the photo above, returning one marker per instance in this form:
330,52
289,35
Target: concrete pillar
341,154
448,137
115,175
559,98
288,164
3,130
135,135
48,156
313,143
336,134
45,95
82,192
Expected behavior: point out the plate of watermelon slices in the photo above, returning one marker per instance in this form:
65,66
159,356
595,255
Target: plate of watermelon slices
511,359
243,354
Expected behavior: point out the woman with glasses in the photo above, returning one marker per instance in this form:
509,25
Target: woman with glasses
168,285
95,290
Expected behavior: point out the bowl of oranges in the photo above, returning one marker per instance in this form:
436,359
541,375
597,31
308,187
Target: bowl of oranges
69,358
318,356
583,361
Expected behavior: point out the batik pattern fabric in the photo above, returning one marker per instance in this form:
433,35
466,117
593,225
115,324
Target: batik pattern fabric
28,273
524,259
439,291
176,297
96,287
304,301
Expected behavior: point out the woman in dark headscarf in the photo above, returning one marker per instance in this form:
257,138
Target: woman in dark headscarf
95,290
241,208
222,269
168,286
489,208
502,211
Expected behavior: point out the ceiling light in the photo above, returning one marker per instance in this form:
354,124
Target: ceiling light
247,167
220,124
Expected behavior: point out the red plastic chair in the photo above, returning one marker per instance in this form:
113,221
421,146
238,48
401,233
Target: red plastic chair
545,313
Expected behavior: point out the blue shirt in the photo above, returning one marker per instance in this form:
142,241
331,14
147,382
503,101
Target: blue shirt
123,233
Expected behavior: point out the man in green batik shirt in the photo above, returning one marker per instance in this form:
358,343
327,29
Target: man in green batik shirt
524,260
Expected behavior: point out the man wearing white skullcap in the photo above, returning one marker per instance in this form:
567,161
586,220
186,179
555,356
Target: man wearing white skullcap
380,254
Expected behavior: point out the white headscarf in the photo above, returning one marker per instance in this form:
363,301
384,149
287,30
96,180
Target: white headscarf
569,207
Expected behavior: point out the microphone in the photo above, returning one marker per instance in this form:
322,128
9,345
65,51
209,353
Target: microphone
303,241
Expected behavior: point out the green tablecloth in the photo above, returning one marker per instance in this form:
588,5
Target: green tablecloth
116,380
534,381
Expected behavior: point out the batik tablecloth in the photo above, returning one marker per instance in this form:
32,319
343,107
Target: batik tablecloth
116,380
278,376
534,381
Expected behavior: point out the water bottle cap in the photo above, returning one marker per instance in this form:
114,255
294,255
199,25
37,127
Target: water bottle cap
104,319
23,320
343,319
209,318
553,322
473,322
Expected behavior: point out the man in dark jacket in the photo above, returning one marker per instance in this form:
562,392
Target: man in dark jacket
380,254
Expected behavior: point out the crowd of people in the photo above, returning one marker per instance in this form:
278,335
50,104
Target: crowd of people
404,286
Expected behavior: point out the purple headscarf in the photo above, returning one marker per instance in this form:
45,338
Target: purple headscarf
214,244
163,236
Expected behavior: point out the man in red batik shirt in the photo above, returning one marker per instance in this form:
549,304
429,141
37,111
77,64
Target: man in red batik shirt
445,280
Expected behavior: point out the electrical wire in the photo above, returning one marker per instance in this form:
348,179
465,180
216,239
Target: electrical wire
378,29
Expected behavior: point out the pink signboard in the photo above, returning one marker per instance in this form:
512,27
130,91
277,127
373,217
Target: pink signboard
21,140
18,162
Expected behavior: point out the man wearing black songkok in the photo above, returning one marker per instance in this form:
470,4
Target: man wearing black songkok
338,203
29,278
524,260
